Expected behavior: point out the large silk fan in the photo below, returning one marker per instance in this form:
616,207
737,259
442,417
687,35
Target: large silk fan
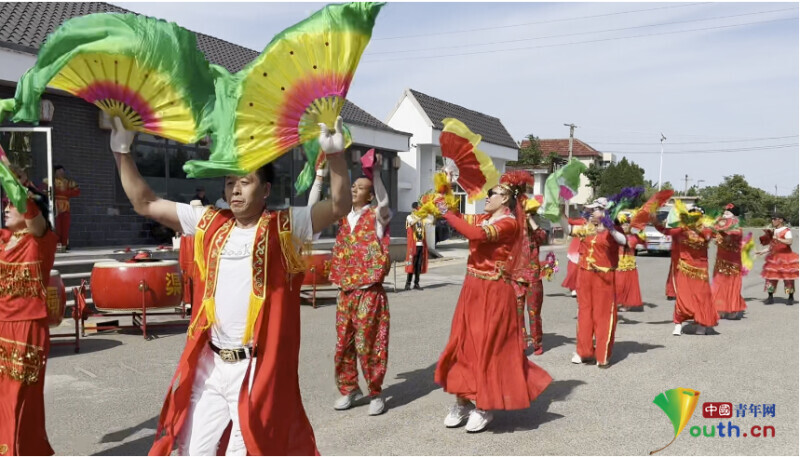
476,171
301,79
146,71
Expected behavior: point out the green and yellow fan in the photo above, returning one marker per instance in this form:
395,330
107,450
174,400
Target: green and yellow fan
276,102
146,71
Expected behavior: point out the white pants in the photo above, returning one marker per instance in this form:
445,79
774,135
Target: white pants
214,403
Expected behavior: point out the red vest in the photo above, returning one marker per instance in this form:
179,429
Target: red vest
24,275
360,258
599,251
271,414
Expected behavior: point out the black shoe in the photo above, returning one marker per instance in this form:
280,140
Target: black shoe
408,286
770,300
791,300
417,287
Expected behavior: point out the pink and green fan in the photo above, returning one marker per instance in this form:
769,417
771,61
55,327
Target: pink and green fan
276,102
146,71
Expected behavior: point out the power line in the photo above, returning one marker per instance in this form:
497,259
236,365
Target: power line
535,23
577,33
579,42
701,142
712,151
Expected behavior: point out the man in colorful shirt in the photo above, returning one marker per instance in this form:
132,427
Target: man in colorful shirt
360,262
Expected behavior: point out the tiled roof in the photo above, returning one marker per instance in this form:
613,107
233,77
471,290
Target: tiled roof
561,147
352,114
489,127
24,26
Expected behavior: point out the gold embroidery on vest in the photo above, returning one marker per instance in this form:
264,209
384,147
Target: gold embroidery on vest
727,268
691,271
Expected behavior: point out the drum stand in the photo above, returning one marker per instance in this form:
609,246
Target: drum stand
75,317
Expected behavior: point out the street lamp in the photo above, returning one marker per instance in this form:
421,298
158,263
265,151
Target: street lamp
661,160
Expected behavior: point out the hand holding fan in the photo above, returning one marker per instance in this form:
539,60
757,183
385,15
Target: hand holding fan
642,217
476,172
145,71
276,102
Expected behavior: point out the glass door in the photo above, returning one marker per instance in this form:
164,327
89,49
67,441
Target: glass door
30,150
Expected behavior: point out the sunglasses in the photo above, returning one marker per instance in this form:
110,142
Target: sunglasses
493,192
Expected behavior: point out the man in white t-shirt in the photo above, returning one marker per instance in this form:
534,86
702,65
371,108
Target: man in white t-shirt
218,382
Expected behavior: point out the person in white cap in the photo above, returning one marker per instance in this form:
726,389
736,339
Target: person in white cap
597,313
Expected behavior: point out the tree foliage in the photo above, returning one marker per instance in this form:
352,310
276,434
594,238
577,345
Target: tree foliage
531,155
617,176
753,203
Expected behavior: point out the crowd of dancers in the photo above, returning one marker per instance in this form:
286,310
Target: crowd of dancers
236,387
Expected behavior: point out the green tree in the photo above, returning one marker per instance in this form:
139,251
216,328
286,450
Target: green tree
752,201
595,175
531,155
617,176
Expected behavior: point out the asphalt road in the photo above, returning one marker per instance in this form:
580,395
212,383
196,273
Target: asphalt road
105,400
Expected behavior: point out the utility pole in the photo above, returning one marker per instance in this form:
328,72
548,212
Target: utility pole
572,128
686,185
661,160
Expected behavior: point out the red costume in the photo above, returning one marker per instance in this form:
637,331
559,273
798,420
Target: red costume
271,414
690,276
484,359
65,189
628,293
416,253
530,292
781,262
597,310
24,341
573,255
359,264
727,283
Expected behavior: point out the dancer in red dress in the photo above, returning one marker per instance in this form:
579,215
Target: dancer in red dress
628,292
484,360
27,253
781,262
690,272
727,282
597,309
528,284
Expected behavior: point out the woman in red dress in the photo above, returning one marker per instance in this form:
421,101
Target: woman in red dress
27,253
626,279
528,284
484,360
727,282
781,262
693,299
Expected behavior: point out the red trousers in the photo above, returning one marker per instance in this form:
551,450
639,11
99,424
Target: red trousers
771,284
531,297
362,330
597,315
22,424
62,227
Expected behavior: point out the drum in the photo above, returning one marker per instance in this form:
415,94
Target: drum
56,299
135,285
319,267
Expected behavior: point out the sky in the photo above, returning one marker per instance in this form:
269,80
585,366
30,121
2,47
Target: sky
719,80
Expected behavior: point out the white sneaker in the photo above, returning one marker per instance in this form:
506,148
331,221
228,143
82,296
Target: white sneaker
576,358
376,405
574,293
700,330
478,420
458,413
346,401
678,329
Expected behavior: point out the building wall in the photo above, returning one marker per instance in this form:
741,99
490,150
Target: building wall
82,148
407,118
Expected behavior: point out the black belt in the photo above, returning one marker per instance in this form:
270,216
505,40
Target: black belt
233,355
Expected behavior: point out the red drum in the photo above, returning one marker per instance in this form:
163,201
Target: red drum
319,267
132,285
56,299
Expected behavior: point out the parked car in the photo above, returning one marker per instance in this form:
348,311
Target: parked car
655,240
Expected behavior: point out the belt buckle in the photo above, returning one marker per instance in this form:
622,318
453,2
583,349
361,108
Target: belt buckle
228,355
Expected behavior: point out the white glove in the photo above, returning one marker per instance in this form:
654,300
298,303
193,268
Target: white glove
121,139
331,143
323,170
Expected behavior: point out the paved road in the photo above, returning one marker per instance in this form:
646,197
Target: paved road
105,400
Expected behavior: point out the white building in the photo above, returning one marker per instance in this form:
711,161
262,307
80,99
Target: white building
422,115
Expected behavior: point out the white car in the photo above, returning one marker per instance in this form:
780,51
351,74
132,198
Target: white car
655,240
